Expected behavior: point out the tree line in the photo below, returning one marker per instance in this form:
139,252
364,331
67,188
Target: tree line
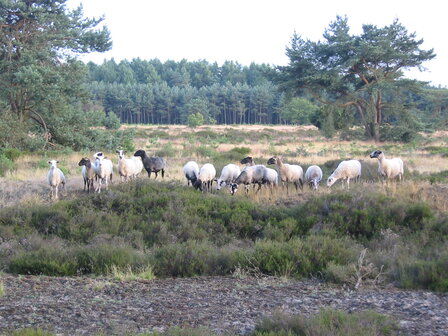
48,98
152,92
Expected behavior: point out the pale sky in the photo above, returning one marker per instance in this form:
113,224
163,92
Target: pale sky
247,31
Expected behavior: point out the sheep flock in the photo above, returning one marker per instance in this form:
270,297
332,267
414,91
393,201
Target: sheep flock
100,170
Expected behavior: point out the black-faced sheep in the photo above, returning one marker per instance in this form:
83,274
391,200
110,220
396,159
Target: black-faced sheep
346,170
88,173
388,168
252,174
191,172
152,164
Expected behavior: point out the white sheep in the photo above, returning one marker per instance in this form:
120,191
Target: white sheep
313,176
229,173
127,168
388,168
88,173
104,170
288,173
138,165
191,172
55,178
346,170
251,174
206,176
271,178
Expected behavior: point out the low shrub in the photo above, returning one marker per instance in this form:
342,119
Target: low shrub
327,322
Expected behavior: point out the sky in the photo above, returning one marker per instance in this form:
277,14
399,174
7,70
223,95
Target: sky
258,31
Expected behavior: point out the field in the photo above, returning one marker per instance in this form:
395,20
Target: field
373,237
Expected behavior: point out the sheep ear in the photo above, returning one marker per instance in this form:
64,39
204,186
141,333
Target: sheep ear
49,162
57,161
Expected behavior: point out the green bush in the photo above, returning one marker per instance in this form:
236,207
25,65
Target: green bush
6,165
398,133
111,121
328,322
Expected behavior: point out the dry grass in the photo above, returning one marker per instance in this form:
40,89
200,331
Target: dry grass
28,181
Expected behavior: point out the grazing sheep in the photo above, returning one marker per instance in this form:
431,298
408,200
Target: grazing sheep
191,172
152,163
103,169
229,173
55,178
388,168
88,173
346,170
205,178
127,168
271,178
288,173
252,174
313,176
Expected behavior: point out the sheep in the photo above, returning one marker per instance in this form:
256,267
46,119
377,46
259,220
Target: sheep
205,177
248,161
152,163
55,178
191,172
88,173
313,176
103,169
127,168
138,165
271,178
95,156
229,173
388,168
349,169
288,173
252,174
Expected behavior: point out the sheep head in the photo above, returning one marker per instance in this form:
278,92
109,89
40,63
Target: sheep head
376,154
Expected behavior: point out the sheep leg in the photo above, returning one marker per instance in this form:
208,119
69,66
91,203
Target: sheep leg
163,173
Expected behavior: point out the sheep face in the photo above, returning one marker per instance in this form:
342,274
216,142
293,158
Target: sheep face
314,184
221,184
198,185
331,180
376,154
120,153
272,160
53,163
140,153
84,162
233,188
247,160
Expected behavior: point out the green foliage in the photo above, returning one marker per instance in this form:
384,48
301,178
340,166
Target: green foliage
31,332
298,111
328,322
398,133
6,164
195,120
112,121
373,81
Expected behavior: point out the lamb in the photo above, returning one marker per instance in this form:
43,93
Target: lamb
205,177
288,173
252,174
55,178
388,168
152,163
229,174
346,170
103,169
191,172
313,176
127,168
88,173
